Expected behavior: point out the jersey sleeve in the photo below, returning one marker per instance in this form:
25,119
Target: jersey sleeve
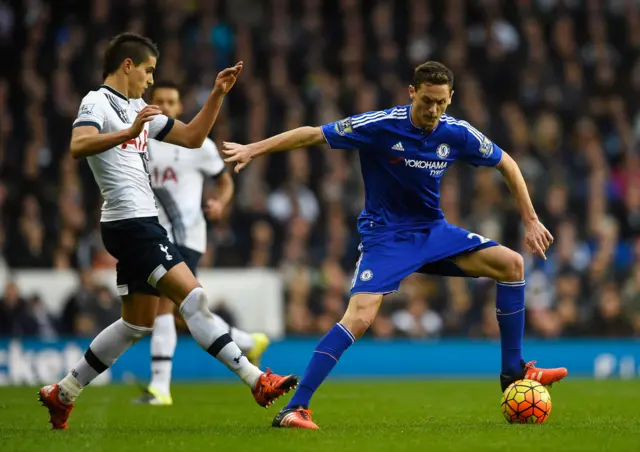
478,150
160,126
354,132
211,163
91,112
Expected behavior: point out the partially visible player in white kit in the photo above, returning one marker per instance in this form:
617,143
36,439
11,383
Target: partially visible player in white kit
111,131
177,177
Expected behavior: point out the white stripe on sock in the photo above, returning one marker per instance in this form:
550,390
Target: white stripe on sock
344,328
511,283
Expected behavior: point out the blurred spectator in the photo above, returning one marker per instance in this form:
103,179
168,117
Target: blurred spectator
608,319
83,296
631,298
16,317
90,309
417,320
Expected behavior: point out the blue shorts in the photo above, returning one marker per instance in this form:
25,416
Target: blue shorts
389,257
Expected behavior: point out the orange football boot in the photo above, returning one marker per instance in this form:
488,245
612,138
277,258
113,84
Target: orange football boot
545,377
58,412
294,418
271,386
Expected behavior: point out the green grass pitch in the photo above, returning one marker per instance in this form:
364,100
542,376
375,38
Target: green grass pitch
368,416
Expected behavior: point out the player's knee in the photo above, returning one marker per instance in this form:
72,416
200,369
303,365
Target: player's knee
513,269
360,314
178,283
195,303
136,332
357,324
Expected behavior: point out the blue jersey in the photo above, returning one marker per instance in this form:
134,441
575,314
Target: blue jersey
402,164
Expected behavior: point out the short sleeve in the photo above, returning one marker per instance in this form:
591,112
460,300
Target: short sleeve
478,150
91,112
160,126
355,132
211,164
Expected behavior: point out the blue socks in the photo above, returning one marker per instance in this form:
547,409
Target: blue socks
510,312
325,357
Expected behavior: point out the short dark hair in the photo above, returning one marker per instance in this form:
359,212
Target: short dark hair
127,45
432,73
163,84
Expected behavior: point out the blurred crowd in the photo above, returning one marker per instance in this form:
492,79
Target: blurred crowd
555,83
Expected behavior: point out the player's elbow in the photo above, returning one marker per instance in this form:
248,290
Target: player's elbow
194,142
188,141
76,149
316,137
506,164
191,138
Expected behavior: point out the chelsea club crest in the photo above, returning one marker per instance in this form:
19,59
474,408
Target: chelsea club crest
443,151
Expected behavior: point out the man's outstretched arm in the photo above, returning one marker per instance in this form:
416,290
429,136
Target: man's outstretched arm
193,134
298,138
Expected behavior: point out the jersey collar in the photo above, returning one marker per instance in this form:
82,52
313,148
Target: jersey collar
419,130
115,92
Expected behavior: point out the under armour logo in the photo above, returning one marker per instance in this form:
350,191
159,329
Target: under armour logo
237,360
165,250
74,373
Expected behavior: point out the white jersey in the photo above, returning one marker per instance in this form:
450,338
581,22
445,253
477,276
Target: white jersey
122,172
177,177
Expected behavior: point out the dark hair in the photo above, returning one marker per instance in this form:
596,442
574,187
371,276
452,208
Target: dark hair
432,73
127,45
163,84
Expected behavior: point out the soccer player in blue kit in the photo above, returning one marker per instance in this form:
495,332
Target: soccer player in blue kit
404,152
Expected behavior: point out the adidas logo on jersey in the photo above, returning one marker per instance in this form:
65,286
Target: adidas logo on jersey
398,146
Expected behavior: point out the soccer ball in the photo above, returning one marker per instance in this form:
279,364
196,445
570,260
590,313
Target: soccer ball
526,402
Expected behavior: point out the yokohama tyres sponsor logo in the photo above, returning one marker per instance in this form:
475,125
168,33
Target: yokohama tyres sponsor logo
422,164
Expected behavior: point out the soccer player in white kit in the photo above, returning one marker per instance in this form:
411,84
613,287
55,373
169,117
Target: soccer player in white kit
177,178
111,131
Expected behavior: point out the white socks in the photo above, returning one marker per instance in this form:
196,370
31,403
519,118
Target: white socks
105,349
163,345
211,332
69,389
243,339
